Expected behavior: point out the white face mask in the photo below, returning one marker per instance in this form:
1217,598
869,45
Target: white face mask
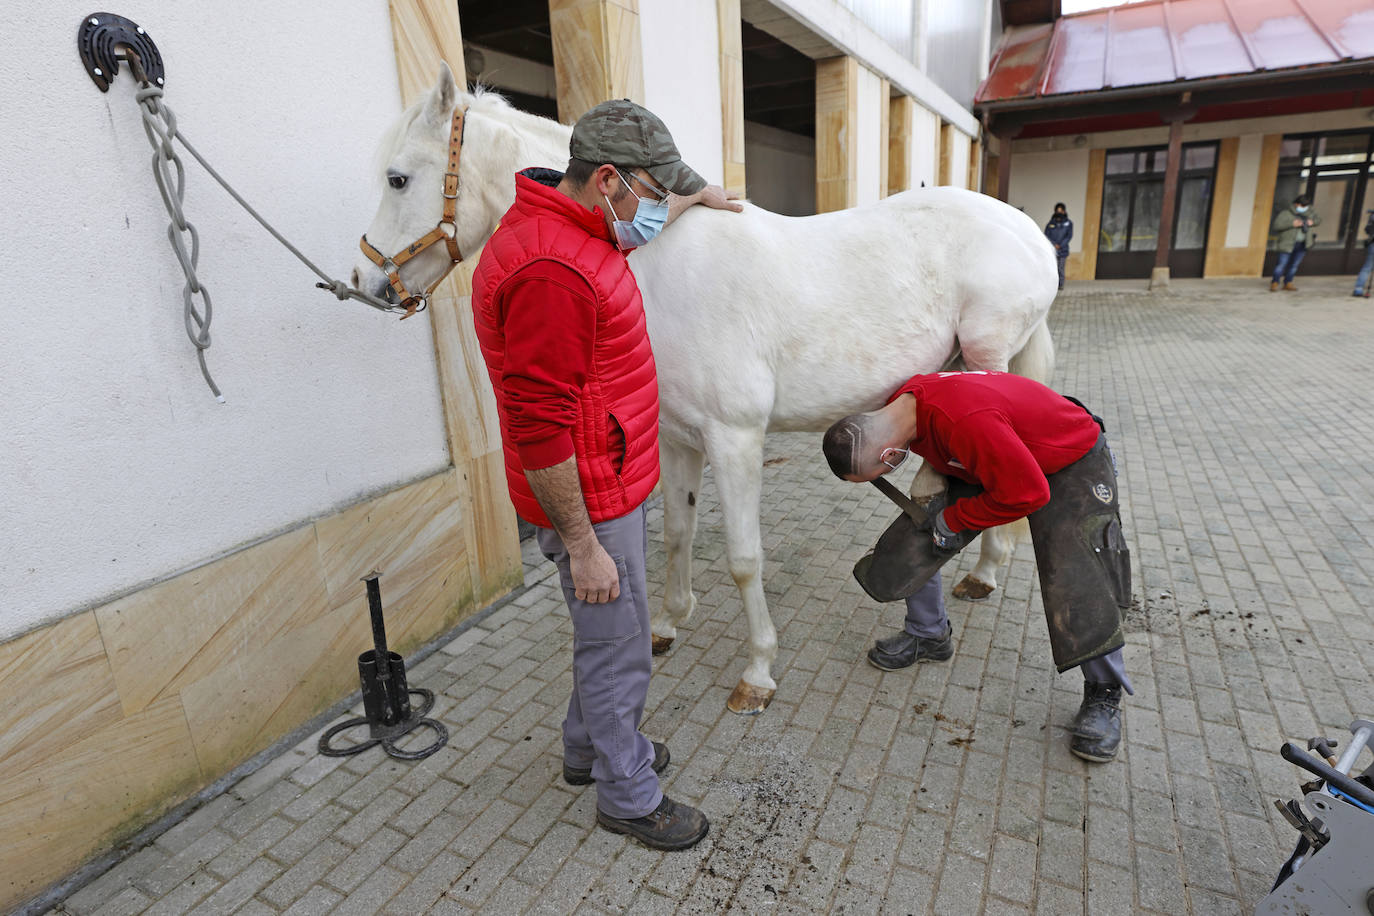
649,219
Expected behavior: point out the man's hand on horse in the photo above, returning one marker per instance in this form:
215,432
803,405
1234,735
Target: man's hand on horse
595,577
717,198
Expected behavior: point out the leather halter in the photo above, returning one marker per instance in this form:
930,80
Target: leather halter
446,231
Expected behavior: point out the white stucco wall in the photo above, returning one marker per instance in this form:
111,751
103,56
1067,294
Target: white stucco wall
679,38
924,151
1040,180
872,140
118,466
1244,190
781,170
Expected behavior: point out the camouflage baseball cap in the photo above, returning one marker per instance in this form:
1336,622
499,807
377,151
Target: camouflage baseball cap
622,133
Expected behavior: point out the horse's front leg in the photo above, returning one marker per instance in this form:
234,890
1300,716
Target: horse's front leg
737,458
681,465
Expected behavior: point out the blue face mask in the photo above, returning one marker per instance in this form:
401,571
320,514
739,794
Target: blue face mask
1300,209
650,217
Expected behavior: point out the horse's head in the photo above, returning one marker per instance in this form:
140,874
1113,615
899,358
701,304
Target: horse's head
435,161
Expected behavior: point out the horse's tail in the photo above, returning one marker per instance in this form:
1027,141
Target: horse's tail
1035,360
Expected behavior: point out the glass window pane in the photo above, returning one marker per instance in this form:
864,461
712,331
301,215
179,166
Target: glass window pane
1199,157
1149,196
1116,207
1343,149
1191,229
1332,201
1161,160
1120,163
1290,152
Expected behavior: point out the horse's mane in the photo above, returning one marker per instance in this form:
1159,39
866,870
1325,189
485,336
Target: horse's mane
481,100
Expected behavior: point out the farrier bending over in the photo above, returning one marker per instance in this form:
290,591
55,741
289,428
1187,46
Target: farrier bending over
561,326
1012,448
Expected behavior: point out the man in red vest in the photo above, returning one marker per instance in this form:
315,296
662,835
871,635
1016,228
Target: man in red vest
1011,448
561,326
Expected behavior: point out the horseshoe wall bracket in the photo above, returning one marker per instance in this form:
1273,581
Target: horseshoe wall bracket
98,40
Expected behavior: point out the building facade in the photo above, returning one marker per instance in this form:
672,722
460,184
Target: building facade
1191,122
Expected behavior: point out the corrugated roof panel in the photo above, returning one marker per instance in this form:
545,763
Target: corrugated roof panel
1280,34
1138,47
1079,54
1349,23
1016,71
1207,44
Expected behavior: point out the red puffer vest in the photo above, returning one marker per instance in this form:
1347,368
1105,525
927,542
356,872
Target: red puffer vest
621,388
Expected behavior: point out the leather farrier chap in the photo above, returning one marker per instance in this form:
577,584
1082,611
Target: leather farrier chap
905,558
1082,559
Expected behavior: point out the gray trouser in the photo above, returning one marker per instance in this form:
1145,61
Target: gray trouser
611,667
926,618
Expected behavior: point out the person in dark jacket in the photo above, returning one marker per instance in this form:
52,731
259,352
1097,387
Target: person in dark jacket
1293,225
1059,230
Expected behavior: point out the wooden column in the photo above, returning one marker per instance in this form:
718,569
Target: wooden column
426,32
596,53
946,170
1214,263
1160,275
1083,266
901,120
837,141
731,93
885,138
975,163
1262,212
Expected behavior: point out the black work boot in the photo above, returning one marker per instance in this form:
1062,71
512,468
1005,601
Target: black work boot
903,650
582,776
669,826
1097,727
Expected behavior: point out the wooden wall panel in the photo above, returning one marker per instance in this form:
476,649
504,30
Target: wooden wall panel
596,53
1221,206
1262,212
731,93
837,142
900,124
946,160
884,137
1092,219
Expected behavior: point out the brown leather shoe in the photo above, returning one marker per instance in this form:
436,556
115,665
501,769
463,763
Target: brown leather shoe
669,826
1274,286
1289,288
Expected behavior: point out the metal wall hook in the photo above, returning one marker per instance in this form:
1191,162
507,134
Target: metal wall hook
98,40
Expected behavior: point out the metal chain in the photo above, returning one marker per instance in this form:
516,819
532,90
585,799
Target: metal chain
160,126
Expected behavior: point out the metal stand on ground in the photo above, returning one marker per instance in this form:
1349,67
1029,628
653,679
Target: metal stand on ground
386,697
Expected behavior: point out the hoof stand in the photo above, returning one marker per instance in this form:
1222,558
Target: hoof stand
662,644
971,589
748,700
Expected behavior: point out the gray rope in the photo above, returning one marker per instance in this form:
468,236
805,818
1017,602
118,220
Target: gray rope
160,126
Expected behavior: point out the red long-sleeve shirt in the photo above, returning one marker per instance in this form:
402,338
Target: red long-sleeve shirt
1000,431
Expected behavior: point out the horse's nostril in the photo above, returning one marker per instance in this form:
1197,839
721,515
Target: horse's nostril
353,278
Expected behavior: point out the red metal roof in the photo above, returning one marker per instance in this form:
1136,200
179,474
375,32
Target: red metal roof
1164,41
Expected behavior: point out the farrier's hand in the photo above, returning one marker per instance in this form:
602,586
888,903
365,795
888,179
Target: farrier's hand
947,541
717,198
595,577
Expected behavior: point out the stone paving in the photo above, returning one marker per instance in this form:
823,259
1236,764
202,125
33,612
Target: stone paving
1242,424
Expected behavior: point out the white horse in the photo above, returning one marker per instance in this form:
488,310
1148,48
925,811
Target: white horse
758,321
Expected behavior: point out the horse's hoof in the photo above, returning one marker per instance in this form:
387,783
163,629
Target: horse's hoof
662,644
748,700
971,589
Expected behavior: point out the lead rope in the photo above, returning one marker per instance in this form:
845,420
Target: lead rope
160,126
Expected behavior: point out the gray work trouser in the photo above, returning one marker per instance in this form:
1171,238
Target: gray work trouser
612,662
926,617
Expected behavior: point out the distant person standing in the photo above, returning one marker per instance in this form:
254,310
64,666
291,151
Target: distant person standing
1059,230
1294,225
1362,284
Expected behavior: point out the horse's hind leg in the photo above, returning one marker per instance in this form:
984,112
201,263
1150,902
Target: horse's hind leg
681,465
737,459
995,544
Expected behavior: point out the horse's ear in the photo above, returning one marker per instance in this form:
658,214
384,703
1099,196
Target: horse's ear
442,96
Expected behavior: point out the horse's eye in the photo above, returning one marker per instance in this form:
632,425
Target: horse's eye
396,181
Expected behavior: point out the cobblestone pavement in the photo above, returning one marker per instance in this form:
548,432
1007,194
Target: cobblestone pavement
1244,431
